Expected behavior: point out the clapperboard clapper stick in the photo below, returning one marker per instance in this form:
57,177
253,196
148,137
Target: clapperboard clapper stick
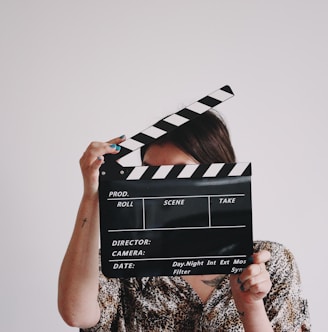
174,220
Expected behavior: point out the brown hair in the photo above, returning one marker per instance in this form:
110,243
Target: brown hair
205,138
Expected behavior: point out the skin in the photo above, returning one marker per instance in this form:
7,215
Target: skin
78,277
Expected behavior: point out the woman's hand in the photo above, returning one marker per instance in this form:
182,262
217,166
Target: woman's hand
91,161
248,290
78,279
254,283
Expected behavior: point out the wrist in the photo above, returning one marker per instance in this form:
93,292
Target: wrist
91,197
254,316
249,310
253,308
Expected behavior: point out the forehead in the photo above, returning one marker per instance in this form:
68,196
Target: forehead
166,154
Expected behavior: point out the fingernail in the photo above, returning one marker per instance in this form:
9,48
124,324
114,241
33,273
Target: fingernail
116,147
242,288
239,281
250,260
122,136
99,158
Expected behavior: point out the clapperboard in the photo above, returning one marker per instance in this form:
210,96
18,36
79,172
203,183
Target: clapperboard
174,220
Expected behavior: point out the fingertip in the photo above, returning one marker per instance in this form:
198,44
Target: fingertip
250,259
261,256
115,147
100,158
266,254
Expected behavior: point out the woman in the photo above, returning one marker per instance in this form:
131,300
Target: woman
266,296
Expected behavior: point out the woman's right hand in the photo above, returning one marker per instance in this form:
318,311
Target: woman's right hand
91,161
78,279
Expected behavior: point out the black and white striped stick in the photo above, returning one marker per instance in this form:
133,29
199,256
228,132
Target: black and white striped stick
193,171
172,122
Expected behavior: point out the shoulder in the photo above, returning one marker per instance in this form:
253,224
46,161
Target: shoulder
268,245
286,307
282,265
278,251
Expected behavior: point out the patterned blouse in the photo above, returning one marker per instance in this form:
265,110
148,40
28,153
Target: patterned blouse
154,304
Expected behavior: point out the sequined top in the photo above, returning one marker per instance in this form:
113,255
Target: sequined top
170,304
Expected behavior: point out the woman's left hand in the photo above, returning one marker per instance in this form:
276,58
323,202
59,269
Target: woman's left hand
254,283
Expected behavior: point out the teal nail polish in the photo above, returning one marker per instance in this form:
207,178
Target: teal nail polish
122,136
115,146
250,259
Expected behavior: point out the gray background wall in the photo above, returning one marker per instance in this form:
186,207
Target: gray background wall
77,71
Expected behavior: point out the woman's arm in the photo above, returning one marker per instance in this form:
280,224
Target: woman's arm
78,278
248,290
